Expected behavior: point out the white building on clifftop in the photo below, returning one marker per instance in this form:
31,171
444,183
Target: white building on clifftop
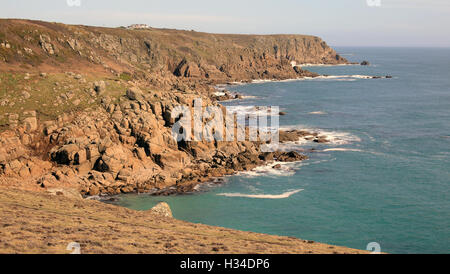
138,26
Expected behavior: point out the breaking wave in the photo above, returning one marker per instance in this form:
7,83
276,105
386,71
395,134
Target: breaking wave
254,110
334,137
343,149
317,113
283,169
262,196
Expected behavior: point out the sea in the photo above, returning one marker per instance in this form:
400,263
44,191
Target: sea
384,178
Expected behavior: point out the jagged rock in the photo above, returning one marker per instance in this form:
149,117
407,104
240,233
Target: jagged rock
45,42
266,157
365,63
321,139
277,166
291,156
295,135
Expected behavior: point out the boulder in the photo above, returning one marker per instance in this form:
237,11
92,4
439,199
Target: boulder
65,155
162,209
94,190
277,166
100,87
45,43
31,124
365,63
321,139
26,94
134,93
291,156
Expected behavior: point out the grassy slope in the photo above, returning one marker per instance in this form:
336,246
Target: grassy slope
45,91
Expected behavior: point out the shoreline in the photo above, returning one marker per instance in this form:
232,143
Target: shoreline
98,115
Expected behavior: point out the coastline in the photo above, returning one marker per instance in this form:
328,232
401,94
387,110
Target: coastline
107,128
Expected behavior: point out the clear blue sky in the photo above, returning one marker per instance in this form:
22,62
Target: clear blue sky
339,22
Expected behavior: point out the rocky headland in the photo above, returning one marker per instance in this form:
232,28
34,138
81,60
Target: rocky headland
90,108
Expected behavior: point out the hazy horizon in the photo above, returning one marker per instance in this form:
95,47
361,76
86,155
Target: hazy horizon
345,23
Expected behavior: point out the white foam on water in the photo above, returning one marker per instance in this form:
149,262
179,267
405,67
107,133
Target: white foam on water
319,162
251,110
326,65
342,77
334,137
261,81
218,93
262,196
317,113
286,169
343,149
249,97
339,149
321,77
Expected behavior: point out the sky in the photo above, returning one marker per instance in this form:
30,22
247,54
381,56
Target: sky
411,23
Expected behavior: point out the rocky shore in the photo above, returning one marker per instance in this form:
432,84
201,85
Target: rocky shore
105,129
87,111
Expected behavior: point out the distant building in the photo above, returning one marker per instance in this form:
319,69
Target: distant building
138,26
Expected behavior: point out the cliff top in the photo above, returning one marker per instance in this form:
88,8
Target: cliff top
38,45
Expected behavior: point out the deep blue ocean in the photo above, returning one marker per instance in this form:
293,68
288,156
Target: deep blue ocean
384,178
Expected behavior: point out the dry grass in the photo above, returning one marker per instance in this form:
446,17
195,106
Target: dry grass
33,222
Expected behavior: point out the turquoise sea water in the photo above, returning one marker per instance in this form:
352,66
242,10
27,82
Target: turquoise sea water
386,176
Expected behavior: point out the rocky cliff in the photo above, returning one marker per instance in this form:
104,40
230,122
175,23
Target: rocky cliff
90,108
35,44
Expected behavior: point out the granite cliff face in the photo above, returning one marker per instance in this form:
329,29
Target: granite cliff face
183,53
90,108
